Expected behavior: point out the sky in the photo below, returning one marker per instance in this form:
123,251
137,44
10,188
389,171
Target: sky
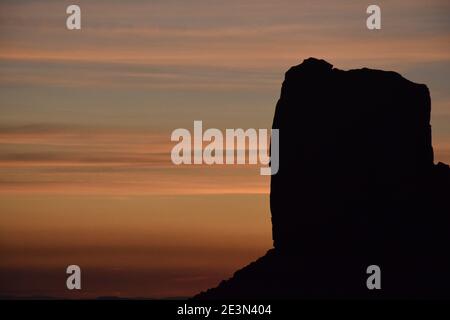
86,119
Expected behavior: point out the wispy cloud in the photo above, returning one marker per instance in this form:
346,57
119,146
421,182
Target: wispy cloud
55,159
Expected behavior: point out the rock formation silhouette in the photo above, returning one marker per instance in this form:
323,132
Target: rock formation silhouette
356,186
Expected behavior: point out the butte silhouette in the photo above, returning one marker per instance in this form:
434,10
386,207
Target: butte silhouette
357,186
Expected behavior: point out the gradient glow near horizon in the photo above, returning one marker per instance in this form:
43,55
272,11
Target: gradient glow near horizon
86,117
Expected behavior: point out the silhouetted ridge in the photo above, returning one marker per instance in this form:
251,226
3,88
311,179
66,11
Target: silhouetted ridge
356,186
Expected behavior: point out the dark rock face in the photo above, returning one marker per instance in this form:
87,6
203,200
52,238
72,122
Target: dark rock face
356,186
349,142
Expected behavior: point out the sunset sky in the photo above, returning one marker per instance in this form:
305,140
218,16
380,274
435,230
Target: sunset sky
86,118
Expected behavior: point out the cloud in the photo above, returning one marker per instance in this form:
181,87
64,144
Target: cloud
54,159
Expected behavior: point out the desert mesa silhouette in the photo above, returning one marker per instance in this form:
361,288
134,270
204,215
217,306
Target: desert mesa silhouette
356,186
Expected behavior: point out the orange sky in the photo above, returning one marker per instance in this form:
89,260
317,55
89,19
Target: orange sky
85,167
